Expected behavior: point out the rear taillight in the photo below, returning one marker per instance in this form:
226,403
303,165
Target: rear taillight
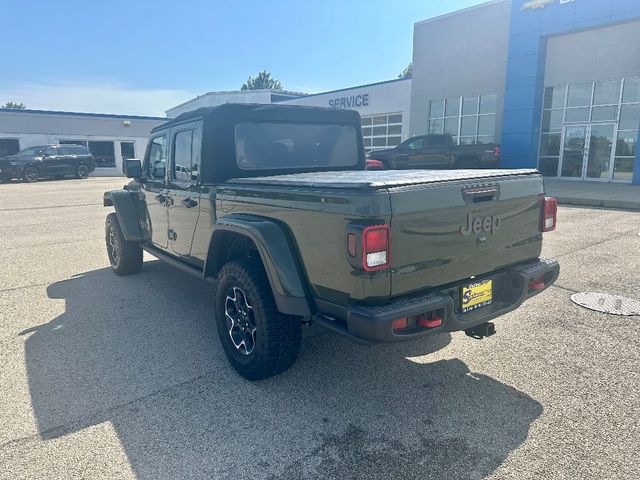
374,164
376,252
496,151
549,214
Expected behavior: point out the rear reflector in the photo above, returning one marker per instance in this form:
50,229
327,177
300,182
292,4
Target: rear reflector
376,254
374,164
351,244
536,285
399,323
549,214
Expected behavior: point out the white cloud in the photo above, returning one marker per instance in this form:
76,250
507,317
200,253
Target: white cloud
103,97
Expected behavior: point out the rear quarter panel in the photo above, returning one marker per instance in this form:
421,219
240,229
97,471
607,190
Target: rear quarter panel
316,220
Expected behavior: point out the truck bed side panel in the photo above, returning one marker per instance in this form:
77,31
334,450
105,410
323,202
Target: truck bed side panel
316,220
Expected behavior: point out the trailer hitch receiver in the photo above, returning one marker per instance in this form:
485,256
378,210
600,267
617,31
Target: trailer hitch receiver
481,331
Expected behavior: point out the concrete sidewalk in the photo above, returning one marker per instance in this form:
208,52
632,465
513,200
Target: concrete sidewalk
594,194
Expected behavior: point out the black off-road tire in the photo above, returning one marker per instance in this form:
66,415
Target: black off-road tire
82,171
277,336
125,257
30,174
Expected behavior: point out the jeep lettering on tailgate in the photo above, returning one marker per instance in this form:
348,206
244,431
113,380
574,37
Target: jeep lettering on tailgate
480,225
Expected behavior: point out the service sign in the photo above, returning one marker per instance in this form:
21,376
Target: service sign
352,101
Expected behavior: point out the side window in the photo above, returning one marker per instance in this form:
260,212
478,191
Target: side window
415,144
67,151
51,151
157,163
186,156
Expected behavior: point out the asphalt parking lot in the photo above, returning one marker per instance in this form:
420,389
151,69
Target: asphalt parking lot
123,377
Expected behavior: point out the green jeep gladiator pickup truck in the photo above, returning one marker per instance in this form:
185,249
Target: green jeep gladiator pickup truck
272,205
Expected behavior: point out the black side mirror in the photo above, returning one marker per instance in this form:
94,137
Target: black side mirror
132,168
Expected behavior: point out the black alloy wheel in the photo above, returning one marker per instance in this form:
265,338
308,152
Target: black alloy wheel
82,171
30,174
241,321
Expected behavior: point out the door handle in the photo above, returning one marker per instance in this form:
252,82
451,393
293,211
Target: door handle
189,203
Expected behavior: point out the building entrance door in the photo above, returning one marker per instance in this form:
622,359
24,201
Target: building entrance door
587,152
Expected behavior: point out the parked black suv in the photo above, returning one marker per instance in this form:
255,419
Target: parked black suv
33,163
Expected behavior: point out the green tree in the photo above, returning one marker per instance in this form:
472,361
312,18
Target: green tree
15,105
264,80
407,72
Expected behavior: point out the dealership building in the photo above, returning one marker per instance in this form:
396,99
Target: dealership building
110,138
555,82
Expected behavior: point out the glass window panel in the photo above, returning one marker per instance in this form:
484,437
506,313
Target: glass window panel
470,105
488,103
366,131
454,140
393,141
381,120
631,92
379,130
366,121
554,97
486,139
548,166
486,125
451,125
435,126
453,107
395,118
577,115
367,142
468,126
467,140
379,141
157,160
436,108
629,117
604,113
623,169
103,153
127,150
9,146
607,92
549,144
395,129
182,153
579,95
627,144
552,120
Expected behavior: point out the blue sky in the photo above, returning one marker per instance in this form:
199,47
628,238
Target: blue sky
144,57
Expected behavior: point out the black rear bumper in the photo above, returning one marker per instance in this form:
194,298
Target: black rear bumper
511,287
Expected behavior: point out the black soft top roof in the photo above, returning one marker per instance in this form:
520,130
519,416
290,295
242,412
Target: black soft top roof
234,112
218,134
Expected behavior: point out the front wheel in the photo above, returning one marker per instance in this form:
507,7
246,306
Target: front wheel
258,340
30,174
125,257
82,171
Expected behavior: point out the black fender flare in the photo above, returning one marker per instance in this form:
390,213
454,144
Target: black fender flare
275,250
127,212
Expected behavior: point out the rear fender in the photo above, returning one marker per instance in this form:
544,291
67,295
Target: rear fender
125,205
277,255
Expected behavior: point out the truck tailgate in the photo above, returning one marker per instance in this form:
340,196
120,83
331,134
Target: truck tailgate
449,231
